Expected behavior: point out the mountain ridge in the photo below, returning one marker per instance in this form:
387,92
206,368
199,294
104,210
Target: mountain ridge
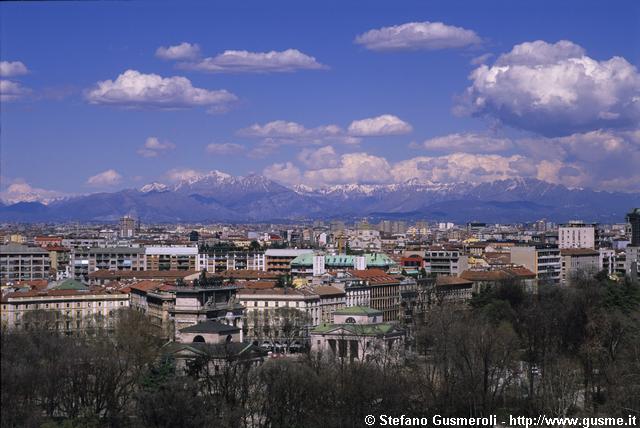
218,196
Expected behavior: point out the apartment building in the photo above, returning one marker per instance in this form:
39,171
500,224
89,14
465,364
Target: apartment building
279,260
311,264
257,301
20,262
67,310
332,299
83,261
171,258
577,234
384,291
578,260
445,261
542,259
231,260
612,261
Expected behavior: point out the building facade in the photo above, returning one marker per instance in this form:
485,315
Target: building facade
577,235
23,263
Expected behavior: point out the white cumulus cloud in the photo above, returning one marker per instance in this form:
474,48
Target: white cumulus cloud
12,68
324,157
106,178
183,51
153,147
286,173
12,91
468,142
237,61
135,89
555,90
418,35
386,124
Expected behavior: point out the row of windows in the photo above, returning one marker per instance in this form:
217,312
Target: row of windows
275,304
24,306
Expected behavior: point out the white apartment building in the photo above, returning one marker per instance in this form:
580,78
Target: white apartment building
576,234
83,261
442,261
232,260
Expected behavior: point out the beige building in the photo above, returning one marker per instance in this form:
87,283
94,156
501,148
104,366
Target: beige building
69,309
257,300
542,259
332,299
578,260
279,260
384,291
171,258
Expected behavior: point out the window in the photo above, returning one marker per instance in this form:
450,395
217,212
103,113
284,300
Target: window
255,303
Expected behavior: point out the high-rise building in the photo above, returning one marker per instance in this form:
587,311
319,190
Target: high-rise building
577,234
127,227
633,218
632,262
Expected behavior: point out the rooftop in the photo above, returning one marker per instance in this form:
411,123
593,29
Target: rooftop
345,260
578,252
380,329
328,290
70,284
210,326
358,310
14,248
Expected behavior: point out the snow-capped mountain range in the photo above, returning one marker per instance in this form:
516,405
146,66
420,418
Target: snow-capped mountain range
218,196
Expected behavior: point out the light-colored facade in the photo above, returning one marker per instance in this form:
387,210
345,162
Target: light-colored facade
578,260
442,261
279,260
83,261
127,227
577,235
332,299
543,260
358,333
261,300
66,310
171,258
23,263
231,260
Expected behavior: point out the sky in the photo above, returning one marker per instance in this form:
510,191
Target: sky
105,95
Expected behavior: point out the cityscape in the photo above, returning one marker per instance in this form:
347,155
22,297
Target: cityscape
351,215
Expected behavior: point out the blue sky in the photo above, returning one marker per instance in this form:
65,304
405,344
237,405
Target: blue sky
442,91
